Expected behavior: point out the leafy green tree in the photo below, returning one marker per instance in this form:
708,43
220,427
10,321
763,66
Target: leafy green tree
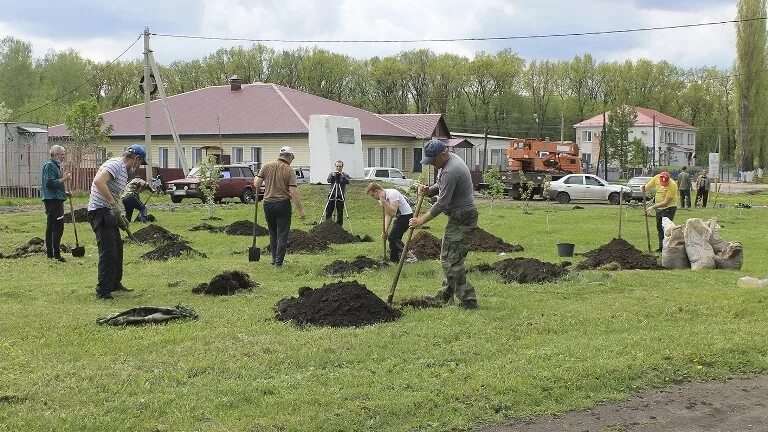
209,174
495,189
5,113
86,130
620,121
16,72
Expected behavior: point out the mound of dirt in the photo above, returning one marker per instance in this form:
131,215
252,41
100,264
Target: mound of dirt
425,246
483,241
341,304
156,234
620,252
227,283
302,241
420,302
170,250
33,246
524,270
333,233
359,264
207,227
245,228
81,215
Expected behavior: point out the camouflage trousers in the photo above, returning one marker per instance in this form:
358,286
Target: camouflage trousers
456,241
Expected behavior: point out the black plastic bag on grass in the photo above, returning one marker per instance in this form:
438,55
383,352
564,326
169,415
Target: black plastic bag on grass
148,315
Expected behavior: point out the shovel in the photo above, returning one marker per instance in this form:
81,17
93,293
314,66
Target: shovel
254,253
647,230
403,254
77,251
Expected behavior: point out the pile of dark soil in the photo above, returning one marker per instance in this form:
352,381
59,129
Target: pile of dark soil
227,283
81,215
620,252
245,228
333,233
525,270
359,264
33,246
425,246
156,234
170,250
420,302
302,241
483,241
207,227
341,304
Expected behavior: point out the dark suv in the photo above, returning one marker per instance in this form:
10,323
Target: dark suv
235,181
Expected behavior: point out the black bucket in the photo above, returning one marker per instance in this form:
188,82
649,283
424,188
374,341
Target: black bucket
565,249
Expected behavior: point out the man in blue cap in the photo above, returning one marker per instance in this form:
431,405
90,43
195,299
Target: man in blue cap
106,218
455,198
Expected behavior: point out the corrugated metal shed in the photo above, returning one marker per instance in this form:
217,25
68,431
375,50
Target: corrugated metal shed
24,149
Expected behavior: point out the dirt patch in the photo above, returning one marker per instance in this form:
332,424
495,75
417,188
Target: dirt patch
207,227
359,264
620,252
227,283
524,270
301,241
81,215
245,228
170,250
156,234
341,304
736,405
425,246
483,241
333,233
420,303
35,245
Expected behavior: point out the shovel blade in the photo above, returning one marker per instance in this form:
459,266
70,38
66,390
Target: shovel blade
254,254
78,252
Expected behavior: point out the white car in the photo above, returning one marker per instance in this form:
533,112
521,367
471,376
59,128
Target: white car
386,175
587,187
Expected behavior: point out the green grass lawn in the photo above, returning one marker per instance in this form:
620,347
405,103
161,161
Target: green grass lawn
529,349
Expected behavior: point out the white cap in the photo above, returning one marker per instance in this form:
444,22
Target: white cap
286,150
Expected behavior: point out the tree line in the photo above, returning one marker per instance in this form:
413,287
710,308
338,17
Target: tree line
499,93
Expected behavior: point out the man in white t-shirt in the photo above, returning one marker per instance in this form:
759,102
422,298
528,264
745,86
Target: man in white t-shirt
397,208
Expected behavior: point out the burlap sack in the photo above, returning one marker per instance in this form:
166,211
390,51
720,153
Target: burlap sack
673,254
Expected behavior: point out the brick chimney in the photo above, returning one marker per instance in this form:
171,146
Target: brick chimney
235,83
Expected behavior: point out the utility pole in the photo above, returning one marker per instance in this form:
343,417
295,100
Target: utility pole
562,127
653,147
604,149
485,149
147,111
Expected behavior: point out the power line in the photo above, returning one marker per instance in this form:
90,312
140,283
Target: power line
469,39
85,81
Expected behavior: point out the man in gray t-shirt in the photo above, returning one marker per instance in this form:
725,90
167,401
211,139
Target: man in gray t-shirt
455,198
105,217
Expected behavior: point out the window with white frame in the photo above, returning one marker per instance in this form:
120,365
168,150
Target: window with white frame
101,155
256,155
162,157
586,136
383,156
237,155
197,156
371,157
395,158
402,159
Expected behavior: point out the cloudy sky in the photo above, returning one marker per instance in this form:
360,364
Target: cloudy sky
102,29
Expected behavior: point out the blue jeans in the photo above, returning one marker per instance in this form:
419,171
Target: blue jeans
278,216
132,202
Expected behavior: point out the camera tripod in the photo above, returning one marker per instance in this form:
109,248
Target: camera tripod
336,194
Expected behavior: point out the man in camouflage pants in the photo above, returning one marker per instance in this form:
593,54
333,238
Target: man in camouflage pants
455,198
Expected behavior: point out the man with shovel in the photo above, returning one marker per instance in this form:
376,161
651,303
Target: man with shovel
53,193
106,218
665,200
455,198
131,200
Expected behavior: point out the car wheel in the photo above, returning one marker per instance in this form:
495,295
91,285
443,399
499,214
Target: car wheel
563,198
218,200
613,198
175,199
247,196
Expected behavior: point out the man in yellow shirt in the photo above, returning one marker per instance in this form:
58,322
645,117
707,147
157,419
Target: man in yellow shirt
665,200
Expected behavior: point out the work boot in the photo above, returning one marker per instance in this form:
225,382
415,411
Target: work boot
468,304
60,259
123,288
437,297
104,296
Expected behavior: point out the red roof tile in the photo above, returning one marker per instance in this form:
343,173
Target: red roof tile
644,118
421,125
258,108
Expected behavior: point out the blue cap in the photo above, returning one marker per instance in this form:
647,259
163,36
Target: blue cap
138,151
431,150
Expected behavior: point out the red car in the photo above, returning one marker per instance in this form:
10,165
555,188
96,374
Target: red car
235,181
